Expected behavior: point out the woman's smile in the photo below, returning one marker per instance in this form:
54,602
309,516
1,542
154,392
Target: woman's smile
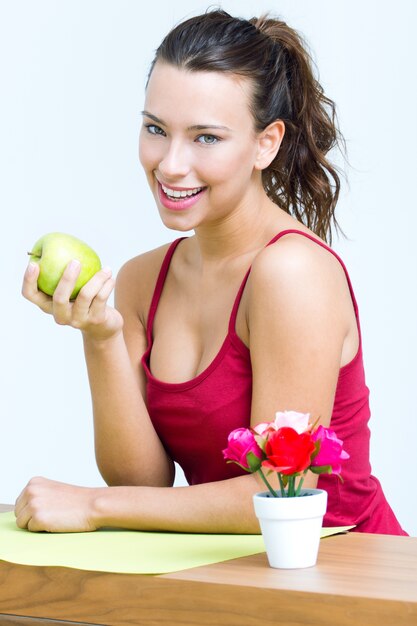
179,199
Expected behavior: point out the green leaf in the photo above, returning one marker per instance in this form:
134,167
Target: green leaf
317,446
254,461
261,441
313,426
244,468
321,469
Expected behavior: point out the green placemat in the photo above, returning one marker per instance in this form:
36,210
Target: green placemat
125,551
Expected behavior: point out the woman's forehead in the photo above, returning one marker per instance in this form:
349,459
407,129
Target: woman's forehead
198,97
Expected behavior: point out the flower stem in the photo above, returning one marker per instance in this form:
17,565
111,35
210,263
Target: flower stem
300,484
291,491
281,485
267,483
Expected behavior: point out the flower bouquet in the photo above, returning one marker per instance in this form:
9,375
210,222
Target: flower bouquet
288,447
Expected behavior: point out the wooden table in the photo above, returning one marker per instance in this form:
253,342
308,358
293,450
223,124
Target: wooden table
360,579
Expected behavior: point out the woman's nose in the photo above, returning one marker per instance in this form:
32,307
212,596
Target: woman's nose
175,162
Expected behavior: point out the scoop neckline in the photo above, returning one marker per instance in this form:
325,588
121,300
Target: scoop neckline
231,339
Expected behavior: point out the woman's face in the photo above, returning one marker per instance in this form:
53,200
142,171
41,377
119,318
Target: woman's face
197,145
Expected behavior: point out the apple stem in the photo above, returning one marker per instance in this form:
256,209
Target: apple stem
38,256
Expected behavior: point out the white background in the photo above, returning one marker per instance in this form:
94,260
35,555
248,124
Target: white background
72,76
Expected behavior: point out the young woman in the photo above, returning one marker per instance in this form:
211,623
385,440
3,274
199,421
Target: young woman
252,314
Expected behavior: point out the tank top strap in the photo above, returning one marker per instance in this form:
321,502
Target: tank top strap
232,321
233,315
160,285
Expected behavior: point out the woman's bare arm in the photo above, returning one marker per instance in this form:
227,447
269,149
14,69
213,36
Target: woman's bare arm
128,450
298,314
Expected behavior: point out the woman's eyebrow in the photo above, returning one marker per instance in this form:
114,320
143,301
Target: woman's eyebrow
194,127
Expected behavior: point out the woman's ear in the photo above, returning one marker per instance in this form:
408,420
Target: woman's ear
269,141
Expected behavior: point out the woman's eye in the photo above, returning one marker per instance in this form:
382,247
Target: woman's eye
154,130
207,140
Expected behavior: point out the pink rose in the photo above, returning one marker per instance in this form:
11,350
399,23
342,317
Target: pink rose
241,442
331,451
292,419
264,428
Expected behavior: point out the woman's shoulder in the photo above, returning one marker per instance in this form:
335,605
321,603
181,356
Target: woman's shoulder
143,264
299,260
298,252
137,277
298,288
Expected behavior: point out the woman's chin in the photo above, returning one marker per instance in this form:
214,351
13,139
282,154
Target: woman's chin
174,223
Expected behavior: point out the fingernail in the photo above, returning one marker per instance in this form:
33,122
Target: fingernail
106,270
31,268
74,265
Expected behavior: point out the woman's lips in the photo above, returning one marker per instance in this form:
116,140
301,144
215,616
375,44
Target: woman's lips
179,204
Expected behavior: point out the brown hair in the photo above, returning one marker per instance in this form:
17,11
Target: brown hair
275,58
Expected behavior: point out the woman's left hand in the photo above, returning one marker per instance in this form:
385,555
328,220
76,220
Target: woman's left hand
55,507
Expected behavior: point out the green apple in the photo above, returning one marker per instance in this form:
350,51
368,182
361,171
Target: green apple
53,252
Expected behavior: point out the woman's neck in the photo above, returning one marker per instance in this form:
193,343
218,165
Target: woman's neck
244,231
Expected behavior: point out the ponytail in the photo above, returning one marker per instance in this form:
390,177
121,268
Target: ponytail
300,180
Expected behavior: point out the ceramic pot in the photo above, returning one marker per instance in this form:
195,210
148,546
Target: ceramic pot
291,527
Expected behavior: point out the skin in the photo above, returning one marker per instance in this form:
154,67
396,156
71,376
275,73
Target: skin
295,355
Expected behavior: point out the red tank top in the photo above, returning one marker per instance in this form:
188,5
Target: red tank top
193,419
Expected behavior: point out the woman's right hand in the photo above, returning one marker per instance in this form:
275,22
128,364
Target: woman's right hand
89,312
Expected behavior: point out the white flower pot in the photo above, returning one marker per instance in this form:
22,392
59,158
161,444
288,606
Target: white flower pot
291,527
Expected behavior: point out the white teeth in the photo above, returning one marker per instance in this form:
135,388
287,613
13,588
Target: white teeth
173,193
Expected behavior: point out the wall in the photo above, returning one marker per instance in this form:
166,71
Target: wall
72,81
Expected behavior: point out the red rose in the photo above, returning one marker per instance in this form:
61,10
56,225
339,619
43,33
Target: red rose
288,452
